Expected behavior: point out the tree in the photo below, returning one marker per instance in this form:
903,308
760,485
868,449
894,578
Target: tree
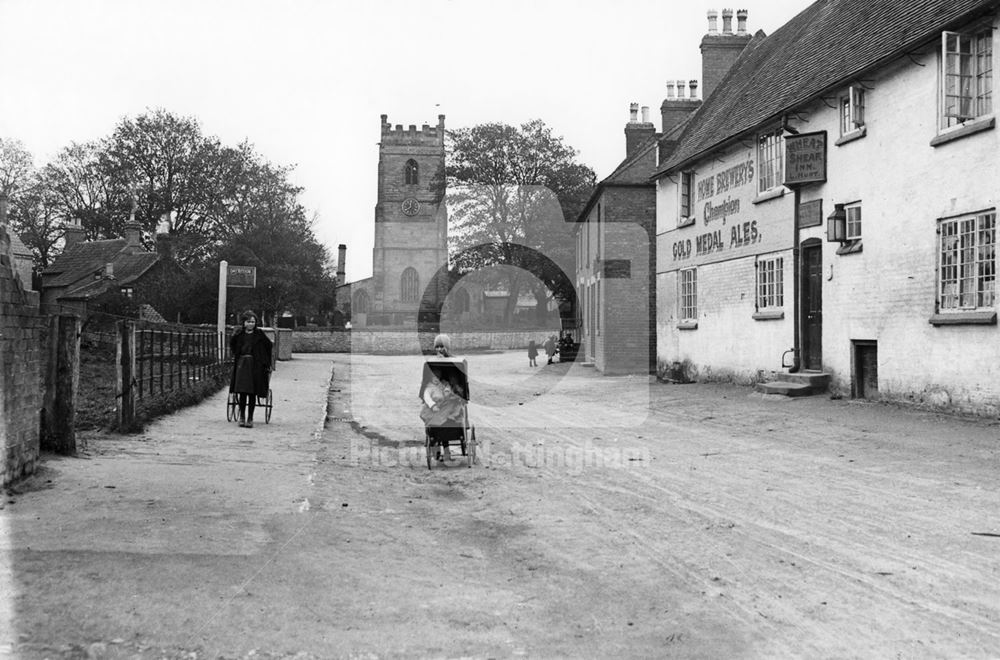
16,166
216,202
512,188
86,192
35,216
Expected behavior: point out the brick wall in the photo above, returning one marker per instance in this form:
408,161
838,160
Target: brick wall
629,339
21,328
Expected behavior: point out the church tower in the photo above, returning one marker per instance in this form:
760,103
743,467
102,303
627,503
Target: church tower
411,220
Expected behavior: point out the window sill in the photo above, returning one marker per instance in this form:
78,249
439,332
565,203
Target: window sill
687,325
684,222
964,318
850,247
773,193
856,134
971,127
771,315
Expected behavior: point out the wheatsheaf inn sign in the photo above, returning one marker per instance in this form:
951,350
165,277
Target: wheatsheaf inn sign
805,158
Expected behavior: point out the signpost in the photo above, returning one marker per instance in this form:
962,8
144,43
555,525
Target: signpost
237,276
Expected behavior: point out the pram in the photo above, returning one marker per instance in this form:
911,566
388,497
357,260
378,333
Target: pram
444,391
233,403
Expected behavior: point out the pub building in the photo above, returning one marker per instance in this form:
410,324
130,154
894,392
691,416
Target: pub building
828,216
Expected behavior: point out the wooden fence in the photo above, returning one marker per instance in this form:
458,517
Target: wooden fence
154,360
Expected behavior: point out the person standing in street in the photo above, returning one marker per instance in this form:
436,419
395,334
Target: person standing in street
251,350
532,353
550,347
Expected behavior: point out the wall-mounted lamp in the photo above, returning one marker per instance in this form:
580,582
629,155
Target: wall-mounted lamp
836,225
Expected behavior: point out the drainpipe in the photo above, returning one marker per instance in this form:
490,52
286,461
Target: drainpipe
796,361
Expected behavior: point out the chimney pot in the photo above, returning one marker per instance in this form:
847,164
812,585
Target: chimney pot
727,21
645,114
693,86
633,112
741,21
670,89
713,21
680,89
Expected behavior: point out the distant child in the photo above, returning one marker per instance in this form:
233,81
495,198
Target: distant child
532,353
550,347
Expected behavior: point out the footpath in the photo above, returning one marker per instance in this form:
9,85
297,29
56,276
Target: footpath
152,544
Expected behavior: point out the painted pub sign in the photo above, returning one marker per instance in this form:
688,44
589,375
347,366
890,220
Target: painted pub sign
805,158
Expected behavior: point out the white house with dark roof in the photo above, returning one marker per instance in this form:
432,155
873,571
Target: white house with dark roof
831,209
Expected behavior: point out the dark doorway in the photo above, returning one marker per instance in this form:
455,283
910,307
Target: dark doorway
865,370
812,307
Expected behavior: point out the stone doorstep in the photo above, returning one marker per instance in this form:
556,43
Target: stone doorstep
785,388
803,383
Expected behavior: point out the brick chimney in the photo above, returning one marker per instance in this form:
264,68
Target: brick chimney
341,263
72,234
719,51
164,248
133,235
637,132
677,106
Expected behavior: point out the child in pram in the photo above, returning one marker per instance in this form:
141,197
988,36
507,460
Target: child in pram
444,395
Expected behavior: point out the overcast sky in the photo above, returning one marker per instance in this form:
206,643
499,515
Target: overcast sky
306,80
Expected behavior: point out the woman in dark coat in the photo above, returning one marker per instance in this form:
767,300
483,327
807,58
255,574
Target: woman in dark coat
251,350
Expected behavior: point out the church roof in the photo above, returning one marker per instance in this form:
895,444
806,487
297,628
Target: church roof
828,44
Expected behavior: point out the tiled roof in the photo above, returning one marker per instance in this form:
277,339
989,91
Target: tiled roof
636,168
827,44
81,260
17,246
76,266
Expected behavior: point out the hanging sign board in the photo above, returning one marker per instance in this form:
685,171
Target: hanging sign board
811,213
242,276
805,158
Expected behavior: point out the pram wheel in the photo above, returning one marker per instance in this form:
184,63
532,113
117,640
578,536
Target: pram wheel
231,404
430,449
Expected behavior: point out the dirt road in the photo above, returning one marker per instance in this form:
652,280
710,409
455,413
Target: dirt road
608,517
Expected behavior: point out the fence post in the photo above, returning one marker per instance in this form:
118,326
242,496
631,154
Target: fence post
62,385
125,368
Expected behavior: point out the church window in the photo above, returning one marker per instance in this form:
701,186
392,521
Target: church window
409,285
411,173
361,302
461,304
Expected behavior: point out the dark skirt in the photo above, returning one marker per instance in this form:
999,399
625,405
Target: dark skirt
243,382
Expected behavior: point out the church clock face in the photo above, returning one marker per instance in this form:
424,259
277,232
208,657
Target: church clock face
410,206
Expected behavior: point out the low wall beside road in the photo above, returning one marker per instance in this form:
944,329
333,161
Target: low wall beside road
398,342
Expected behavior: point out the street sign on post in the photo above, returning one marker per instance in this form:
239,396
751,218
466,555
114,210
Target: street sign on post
242,276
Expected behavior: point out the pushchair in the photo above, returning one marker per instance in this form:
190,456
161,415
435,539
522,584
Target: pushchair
233,403
444,391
